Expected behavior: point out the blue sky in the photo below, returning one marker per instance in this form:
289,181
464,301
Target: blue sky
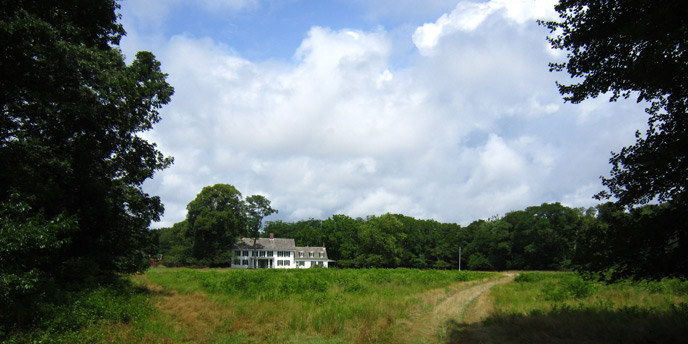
433,109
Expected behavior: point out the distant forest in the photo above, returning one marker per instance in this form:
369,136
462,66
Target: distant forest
550,236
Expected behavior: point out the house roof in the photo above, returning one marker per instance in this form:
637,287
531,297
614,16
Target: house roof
276,244
281,244
315,251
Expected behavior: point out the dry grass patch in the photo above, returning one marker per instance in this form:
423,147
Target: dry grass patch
479,309
194,316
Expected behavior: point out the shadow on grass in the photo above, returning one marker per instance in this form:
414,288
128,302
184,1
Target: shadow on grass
568,325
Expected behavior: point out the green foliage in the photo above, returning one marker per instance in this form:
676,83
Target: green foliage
490,248
540,237
379,241
257,207
339,232
528,277
215,220
674,286
66,318
543,236
645,242
28,241
571,287
73,209
624,48
72,112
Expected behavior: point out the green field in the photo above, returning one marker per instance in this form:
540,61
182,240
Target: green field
564,308
317,305
167,305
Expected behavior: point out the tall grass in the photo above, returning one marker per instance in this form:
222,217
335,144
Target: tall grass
315,305
564,308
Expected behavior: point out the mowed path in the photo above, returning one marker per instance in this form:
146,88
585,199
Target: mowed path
431,327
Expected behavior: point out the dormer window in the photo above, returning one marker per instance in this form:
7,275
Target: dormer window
310,254
300,254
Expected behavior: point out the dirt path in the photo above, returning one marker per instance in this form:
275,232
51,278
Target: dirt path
453,307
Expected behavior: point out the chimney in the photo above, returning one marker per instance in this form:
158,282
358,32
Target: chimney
272,236
323,244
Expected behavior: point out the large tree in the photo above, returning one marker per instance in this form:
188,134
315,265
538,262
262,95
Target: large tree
215,220
636,48
625,48
72,112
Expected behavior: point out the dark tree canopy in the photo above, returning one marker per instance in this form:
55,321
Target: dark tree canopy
625,48
634,48
72,112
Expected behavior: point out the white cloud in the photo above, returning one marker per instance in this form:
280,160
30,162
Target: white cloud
476,128
468,15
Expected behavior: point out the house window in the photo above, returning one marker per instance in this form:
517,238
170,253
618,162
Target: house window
286,263
301,263
300,254
236,261
280,262
244,253
270,253
310,254
262,253
254,253
283,254
244,262
320,254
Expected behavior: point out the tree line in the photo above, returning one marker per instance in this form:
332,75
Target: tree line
606,239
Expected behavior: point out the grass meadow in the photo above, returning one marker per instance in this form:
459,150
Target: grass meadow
552,307
179,305
300,306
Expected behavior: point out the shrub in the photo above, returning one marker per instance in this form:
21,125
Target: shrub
572,287
578,287
553,292
530,277
666,285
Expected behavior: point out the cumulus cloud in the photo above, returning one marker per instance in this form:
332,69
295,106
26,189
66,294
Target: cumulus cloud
468,15
474,129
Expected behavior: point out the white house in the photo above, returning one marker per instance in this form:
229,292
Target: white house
277,253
